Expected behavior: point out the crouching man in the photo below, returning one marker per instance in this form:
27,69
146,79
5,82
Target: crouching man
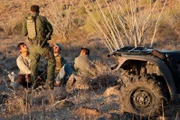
83,64
84,69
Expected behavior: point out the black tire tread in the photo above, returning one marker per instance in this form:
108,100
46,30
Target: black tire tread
150,83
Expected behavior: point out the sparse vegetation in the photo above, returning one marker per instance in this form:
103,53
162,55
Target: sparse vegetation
147,1
173,16
124,23
102,26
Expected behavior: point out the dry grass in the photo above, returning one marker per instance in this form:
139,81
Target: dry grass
173,17
76,24
124,23
102,21
61,19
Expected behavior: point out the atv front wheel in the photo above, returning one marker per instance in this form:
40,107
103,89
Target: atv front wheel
142,95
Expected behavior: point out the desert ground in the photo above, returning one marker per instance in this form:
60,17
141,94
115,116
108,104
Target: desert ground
96,97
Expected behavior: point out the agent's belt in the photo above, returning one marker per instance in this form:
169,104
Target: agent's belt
42,43
37,42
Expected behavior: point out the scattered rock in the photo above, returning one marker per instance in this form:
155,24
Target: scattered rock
63,103
112,91
111,116
82,112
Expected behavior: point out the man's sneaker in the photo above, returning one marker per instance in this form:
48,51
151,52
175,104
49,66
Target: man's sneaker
12,76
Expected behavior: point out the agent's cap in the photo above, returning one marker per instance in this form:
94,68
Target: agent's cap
35,8
60,46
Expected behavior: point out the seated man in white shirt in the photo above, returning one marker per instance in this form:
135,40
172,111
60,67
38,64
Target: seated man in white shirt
23,63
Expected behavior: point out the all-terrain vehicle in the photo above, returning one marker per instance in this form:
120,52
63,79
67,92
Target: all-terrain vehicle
149,77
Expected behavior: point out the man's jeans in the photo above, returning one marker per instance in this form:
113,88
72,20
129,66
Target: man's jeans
64,73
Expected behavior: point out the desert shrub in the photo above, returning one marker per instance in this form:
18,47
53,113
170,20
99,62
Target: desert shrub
124,23
78,22
172,15
92,1
15,105
1,29
17,29
7,29
147,1
66,6
81,10
60,17
89,26
103,76
101,1
12,26
79,16
66,17
166,31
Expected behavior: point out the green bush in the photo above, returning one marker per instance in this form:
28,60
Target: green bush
78,22
81,10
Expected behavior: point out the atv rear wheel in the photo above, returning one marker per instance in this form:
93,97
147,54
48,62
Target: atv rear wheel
142,95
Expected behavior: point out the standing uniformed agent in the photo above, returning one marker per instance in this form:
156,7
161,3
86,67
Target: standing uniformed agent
39,31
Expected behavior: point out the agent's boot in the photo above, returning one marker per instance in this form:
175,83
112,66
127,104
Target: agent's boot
49,85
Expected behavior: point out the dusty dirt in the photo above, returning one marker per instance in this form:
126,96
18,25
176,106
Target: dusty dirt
95,103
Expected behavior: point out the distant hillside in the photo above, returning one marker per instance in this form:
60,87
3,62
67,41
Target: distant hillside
79,27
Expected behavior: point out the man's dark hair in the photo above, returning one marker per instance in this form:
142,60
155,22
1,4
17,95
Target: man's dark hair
35,8
86,50
19,45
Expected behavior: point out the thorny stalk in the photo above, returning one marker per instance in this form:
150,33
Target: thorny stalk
155,30
123,25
